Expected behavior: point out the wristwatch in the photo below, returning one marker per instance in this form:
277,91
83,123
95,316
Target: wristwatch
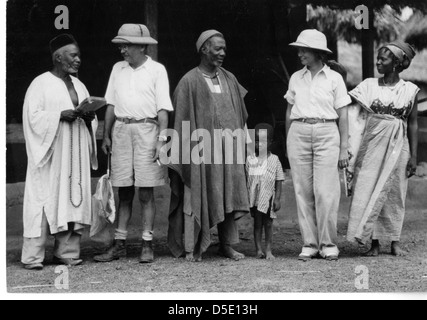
162,138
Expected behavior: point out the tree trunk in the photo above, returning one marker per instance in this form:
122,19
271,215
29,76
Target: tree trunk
368,40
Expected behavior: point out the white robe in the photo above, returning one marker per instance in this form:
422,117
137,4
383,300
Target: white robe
48,144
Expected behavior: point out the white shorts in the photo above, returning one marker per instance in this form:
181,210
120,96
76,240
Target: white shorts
133,149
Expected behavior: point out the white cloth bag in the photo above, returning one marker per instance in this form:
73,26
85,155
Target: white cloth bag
103,204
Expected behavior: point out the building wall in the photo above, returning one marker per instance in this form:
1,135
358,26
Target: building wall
257,32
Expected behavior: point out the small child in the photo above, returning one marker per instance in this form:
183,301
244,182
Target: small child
265,178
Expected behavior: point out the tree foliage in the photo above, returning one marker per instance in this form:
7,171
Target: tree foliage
416,31
397,5
339,24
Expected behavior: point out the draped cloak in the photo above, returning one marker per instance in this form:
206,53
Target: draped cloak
48,188
216,189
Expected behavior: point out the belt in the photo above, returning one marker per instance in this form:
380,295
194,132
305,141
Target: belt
134,121
314,121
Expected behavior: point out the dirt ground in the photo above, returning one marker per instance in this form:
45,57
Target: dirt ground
286,274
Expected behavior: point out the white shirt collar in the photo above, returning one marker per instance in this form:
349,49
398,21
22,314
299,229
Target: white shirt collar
326,71
145,65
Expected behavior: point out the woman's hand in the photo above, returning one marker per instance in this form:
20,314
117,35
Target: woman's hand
412,167
344,159
106,145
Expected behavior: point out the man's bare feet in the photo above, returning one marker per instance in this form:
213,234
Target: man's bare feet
270,256
375,249
397,251
260,255
229,252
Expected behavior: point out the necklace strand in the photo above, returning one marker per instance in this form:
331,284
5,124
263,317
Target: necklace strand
80,166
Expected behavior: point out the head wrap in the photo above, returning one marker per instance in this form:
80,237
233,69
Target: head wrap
404,52
61,41
205,36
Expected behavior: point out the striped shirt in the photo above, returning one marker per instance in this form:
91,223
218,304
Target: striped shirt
262,179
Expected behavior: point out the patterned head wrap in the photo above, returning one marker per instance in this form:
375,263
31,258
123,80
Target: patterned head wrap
404,52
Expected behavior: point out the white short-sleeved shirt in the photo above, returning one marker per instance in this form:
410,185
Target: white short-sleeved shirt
139,93
319,97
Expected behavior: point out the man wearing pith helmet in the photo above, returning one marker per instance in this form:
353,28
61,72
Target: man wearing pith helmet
205,195
138,106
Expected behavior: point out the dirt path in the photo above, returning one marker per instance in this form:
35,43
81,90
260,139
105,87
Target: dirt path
215,274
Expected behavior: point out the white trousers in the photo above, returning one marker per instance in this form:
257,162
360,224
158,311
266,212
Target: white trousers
313,155
67,245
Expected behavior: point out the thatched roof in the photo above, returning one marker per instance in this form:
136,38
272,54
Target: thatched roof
371,4
340,24
416,33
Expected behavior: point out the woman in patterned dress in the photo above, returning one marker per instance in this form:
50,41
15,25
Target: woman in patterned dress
388,152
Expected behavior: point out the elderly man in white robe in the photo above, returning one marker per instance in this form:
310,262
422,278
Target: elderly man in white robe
61,148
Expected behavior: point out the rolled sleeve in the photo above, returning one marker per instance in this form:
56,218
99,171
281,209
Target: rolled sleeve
290,95
110,94
163,100
342,98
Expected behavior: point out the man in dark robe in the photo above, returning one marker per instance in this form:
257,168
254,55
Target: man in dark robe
208,193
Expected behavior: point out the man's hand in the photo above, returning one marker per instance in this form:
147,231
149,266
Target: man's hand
106,145
88,116
277,205
159,147
412,167
69,115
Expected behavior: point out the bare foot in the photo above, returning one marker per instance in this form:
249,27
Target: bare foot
260,255
397,251
270,256
191,258
229,252
375,250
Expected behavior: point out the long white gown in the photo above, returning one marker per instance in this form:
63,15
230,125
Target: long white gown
48,144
